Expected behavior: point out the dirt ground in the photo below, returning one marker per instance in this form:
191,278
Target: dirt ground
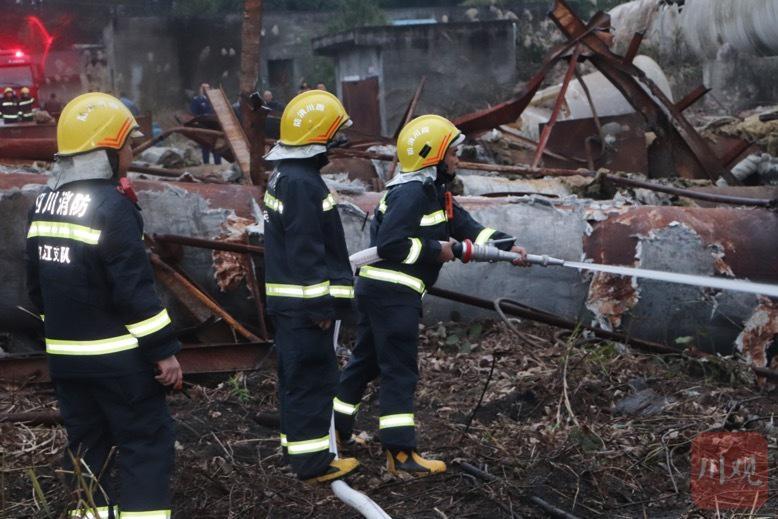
554,425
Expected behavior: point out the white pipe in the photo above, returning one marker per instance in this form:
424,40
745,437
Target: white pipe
356,500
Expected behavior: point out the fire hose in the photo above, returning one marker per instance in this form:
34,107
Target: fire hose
468,251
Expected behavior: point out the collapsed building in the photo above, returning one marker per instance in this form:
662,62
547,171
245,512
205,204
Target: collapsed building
636,186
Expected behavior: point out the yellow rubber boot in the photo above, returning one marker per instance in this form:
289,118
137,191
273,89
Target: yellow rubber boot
412,463
337,469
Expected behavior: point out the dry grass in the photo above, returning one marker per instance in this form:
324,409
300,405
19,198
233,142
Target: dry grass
546,428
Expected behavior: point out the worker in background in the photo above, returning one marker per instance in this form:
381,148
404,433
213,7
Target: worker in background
308,282
53,105
270,102
411,230
110,343
25,105
200,107
10,106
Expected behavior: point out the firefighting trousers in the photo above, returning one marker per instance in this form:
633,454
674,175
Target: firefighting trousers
128,412
387,344
307,379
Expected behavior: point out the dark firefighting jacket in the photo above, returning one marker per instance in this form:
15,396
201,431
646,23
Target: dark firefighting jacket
9,108
407,228
307,270
88,273
25,108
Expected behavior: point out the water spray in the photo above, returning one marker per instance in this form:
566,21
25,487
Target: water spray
468,251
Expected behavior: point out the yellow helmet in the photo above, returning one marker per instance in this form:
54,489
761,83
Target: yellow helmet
312,117
25,90
94,121
424,141
8,90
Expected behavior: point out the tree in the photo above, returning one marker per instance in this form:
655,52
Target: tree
356,13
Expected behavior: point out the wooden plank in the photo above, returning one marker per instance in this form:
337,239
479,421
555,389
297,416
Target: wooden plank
232,129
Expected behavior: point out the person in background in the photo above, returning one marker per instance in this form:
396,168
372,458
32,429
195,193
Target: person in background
304,86
267,98
199,107
53,105
321,86
25,105
130,104
10,107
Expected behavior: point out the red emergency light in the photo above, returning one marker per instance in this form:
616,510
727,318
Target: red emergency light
19,54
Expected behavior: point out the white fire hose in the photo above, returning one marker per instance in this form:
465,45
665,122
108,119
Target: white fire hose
356,500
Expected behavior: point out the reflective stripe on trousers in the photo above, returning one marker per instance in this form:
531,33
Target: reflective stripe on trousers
342,407
392,276
308,446
396,420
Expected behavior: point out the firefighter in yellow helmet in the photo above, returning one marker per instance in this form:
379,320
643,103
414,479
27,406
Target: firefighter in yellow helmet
411,229
308,282
25,105
110,342
9,107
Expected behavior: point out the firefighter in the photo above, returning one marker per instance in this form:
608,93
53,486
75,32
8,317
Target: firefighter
10,106
411,230
110,343
308,282
25,105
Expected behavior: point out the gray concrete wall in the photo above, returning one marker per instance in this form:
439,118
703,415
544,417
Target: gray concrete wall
467,65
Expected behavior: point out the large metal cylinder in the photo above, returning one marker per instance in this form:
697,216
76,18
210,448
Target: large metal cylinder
701,27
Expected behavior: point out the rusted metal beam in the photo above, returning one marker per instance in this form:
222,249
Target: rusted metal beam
256,293
405,120
697,195
475,123
30,149
560,98
409,111
691,155
194,358
204,243
252,118
589,99
691,98
632,50
172,274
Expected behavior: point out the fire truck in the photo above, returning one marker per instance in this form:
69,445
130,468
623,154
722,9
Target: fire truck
17,70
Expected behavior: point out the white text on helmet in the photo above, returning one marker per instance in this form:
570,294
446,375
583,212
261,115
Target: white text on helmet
302,112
